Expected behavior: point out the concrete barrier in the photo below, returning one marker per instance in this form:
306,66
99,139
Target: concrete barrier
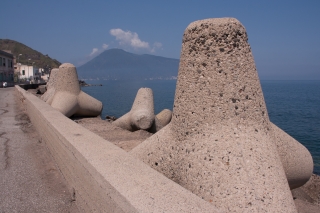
103,177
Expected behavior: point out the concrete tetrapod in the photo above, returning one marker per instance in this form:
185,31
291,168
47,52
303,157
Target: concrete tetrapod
162,119
141,115
220,142
68,97
48,95
296,159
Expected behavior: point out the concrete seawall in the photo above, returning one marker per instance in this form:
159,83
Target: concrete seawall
102,176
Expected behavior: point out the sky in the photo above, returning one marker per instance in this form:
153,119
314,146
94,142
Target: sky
284,35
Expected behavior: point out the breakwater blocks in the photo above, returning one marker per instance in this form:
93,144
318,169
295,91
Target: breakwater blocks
65,95
48,95
296,159
162,119
141,115
102,176
220,144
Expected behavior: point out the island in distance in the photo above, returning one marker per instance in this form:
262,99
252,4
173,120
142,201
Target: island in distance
117,64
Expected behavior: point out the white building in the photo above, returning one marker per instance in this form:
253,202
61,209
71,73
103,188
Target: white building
26,71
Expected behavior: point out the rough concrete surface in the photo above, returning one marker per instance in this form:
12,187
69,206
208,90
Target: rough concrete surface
219,143
307,197
141,115
162,119
65,95
104,177
48,95
122,138
30,181
295,158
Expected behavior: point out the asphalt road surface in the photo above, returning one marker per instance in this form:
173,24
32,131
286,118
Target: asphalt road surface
30,181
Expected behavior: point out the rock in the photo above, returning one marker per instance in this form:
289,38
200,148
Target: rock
110,118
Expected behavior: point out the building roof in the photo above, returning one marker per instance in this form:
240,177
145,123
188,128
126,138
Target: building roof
4,53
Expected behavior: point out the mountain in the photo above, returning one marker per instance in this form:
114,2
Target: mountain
40,60
118,64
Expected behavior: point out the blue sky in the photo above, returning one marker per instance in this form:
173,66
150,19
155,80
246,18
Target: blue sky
284,35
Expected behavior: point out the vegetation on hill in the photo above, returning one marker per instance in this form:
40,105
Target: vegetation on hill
40,60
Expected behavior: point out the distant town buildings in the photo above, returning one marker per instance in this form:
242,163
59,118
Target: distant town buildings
12,72
28,72
6,67
31,73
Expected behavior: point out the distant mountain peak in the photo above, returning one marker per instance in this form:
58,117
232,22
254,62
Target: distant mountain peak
119,64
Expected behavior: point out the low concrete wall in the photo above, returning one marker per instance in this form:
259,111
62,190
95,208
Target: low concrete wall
104,177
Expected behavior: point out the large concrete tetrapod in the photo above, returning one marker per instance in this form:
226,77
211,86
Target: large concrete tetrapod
48,95
220,144
141,115
68,97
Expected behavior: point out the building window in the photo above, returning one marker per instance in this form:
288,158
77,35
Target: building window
23,72
10,63
3,62
0,61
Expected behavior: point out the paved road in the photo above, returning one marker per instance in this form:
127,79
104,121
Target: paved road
29,179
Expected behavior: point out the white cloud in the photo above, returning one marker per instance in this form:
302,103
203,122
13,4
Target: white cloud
105,46
156,45
129,38
94,51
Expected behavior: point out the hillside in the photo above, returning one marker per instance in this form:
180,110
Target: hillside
119,64
17,48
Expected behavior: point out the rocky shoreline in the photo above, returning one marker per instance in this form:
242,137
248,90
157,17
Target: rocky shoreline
84,84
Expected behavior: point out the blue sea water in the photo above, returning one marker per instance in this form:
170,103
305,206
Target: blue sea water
292,105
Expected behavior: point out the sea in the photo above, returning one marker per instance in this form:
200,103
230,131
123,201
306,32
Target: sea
294,106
